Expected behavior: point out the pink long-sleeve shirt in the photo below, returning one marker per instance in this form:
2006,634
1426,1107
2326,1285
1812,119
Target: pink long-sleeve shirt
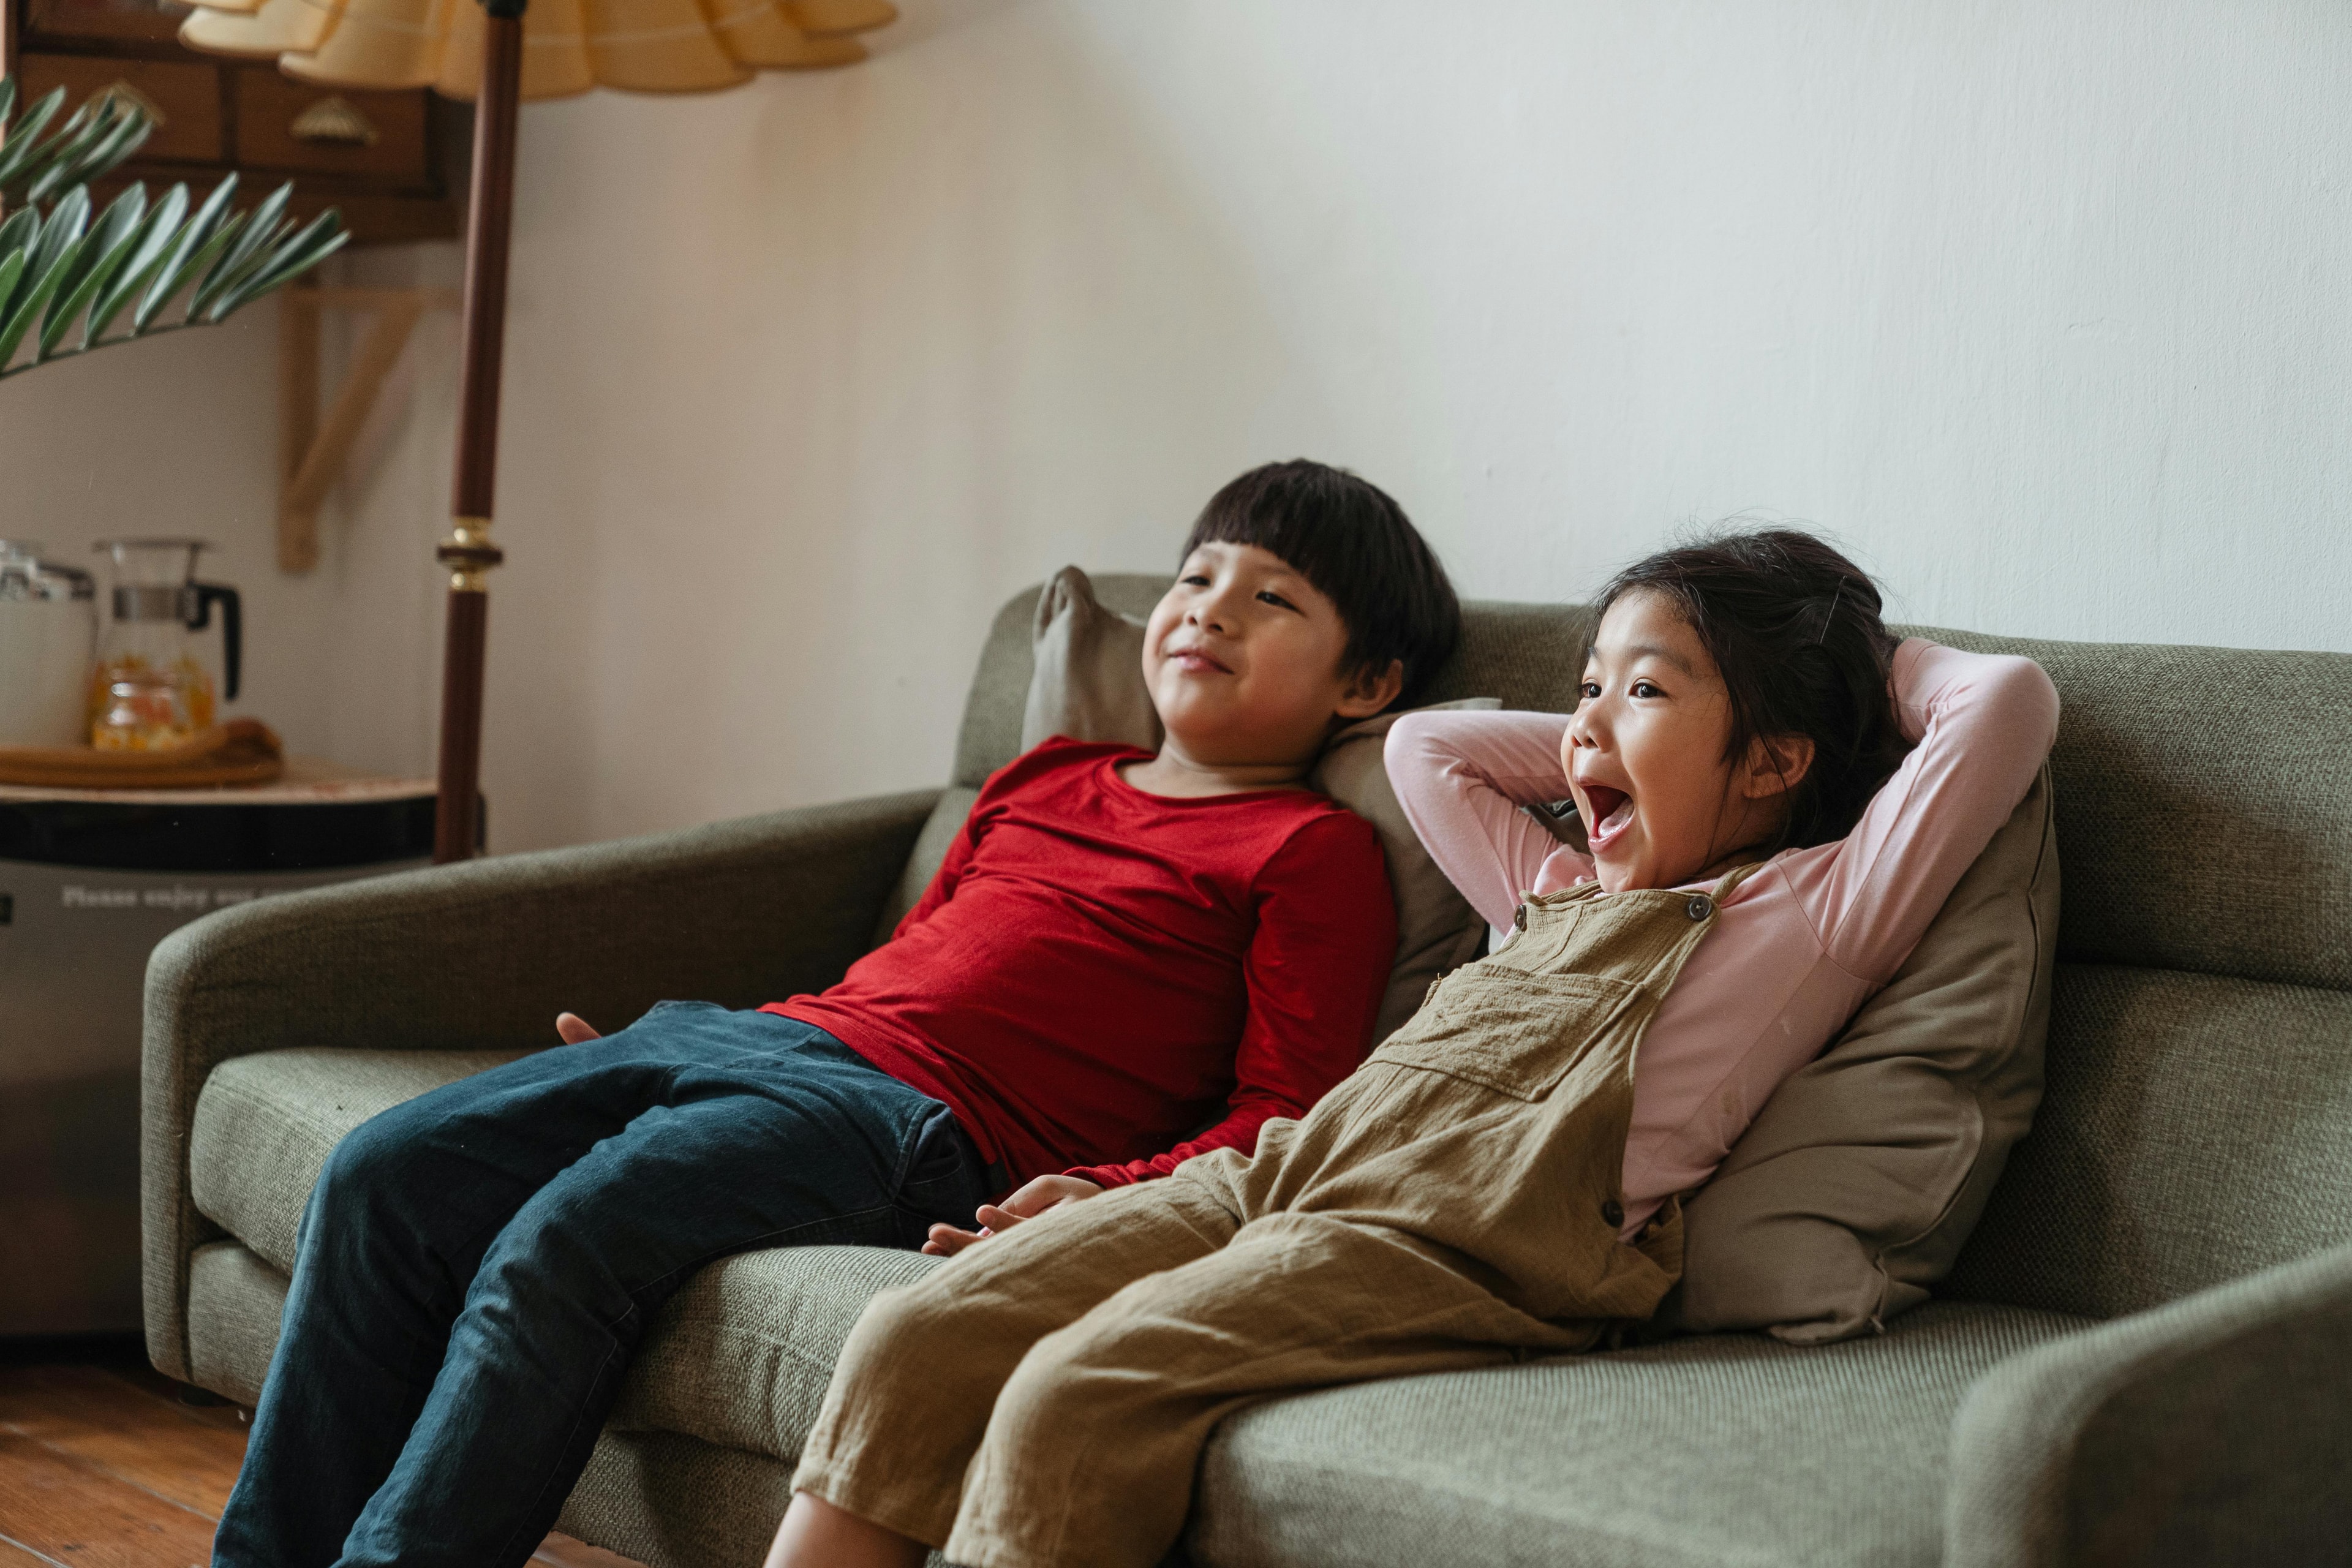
1801,944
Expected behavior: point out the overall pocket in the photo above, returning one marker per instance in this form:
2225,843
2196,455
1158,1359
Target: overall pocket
1505,1029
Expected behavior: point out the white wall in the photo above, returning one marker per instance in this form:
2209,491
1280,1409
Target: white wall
2043,305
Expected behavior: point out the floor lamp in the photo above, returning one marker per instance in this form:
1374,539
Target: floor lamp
500,54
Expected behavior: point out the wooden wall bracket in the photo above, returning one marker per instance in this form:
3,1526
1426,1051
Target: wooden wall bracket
311,450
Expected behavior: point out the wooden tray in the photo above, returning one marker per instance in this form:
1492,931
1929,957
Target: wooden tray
241,752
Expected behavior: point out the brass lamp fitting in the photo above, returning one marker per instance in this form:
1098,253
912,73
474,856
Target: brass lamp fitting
469,554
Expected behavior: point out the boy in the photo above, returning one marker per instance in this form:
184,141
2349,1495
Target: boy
1117,943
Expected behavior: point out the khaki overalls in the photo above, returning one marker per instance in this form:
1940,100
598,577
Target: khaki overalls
1043,1399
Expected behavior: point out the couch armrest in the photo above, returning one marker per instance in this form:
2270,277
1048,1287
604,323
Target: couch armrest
2214,1430
483,954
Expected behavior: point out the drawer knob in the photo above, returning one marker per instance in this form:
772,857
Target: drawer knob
333,122
121,92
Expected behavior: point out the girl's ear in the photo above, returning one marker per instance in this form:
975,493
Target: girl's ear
1366,695
1775,765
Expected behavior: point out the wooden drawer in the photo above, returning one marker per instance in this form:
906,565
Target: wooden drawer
113,21
267,105
221,114
188,95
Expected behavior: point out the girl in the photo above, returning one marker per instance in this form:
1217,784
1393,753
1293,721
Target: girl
1498,1180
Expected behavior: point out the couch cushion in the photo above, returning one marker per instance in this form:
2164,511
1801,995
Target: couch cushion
2193,1128
1086,663
932,846
998,703
669,1501
1694,1454
664,1499
1863,1175
740,1357
266,1123
235,1302
1437,930
2201,812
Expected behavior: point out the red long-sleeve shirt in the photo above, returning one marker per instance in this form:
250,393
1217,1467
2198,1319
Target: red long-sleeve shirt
1095,971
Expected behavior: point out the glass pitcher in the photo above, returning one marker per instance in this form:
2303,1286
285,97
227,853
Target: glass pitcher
47,632
149,689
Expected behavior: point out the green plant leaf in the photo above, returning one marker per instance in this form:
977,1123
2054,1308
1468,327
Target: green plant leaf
18,233
288,259
120,216
24,140
126,134
45,281
146,259
63,227
224,280
69,265
262,229
34,242
102,255
85,130
213,247
187,256
18,236
12,266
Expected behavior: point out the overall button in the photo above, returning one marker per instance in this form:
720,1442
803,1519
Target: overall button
1613,1212
1520,917
1700,907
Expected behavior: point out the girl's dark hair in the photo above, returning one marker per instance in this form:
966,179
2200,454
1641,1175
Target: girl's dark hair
1794,628
1346,536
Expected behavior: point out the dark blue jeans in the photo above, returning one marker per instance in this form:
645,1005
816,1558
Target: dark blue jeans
475,1268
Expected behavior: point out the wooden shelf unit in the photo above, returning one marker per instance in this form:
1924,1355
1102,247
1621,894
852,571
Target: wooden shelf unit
388,171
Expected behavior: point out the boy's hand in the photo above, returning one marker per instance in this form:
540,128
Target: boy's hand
1028,1203
573,1029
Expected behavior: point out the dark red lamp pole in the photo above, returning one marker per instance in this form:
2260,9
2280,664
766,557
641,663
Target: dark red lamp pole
468,553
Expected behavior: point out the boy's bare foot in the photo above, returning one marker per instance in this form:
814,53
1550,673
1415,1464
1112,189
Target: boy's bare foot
573,1029
815,1534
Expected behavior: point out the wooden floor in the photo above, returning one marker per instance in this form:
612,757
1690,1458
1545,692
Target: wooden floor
103,1465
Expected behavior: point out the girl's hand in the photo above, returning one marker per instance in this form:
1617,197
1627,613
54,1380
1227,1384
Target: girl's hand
573,1029
1028,1203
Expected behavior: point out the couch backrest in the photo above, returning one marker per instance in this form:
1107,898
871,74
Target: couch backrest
2196,1125
2197,1120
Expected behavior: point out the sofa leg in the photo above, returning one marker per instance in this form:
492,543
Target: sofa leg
202,1398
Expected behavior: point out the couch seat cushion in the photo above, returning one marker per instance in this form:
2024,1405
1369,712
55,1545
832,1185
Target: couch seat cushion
1701,1453
740,1357
266,1123
1730,1450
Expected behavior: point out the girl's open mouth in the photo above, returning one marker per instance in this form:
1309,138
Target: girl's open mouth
1613,814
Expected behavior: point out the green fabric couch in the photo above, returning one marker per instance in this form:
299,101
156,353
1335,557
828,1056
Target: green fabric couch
2145,1356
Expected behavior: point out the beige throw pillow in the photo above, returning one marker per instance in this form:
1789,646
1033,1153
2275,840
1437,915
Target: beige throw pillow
1437,930
1088,679
1088,685
1853,1189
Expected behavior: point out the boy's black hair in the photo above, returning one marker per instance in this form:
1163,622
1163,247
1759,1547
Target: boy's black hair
1345,535
1796,631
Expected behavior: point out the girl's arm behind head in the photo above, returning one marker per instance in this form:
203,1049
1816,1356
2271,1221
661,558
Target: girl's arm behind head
1461,778
1984,724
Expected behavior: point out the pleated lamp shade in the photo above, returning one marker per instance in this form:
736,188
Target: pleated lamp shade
569,45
